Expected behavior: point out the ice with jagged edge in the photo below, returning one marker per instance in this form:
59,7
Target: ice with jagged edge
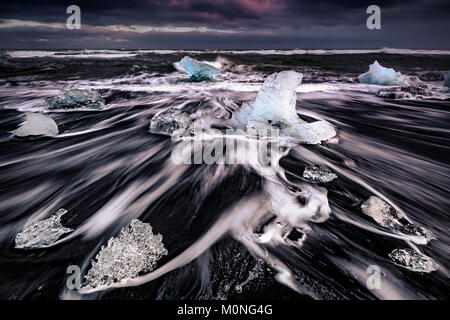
413,260
135,250
275,106
378,74
319,174
388,217
42,233
76,99
168,121
37,124
197,70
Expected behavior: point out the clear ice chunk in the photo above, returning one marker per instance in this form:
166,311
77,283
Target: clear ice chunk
135,250
413,260
319,174
76,100
37,124
168,121
276,104
42,233
197,70
388,217
378,74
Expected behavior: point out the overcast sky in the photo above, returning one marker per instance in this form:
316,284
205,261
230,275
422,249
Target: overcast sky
224,24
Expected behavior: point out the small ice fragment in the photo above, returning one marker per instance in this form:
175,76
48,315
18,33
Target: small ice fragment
320,174
404,92
378,74
380,211
37,124
136,249
42,233
76,99
388,217
227,65
168,121
311,133
413,260
393,94
198,71
275,104
447,79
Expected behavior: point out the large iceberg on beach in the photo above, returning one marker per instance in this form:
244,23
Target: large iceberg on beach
378,74
198,71
76,99
275,106
37,124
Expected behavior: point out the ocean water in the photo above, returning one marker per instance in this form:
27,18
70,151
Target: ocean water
106,169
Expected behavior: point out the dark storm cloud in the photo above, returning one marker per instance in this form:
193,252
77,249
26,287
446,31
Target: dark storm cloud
224,23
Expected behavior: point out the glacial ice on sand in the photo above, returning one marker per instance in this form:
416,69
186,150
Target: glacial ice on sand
76,99
319,174
227,65
413,260
136,249
275,105
378,74
168,121
388,217
197,70
447,79
404,92
37,124
42,233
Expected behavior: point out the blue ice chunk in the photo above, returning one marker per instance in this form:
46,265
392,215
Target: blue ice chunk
378,74
198,71
447,79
